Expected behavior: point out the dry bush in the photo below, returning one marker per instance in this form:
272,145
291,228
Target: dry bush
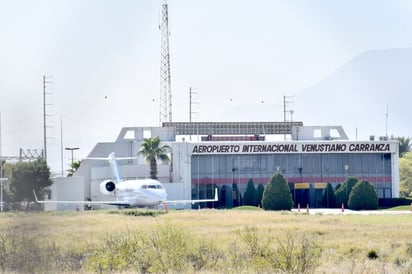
22,253
205,241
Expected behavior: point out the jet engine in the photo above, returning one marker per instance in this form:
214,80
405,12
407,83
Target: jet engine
107,187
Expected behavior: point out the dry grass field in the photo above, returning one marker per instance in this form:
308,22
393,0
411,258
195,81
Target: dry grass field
205,241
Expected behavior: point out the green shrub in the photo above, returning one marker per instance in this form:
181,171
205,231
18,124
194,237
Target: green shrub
337,187
328,197
249,198
259,194
372,254
363,196
343,192
276,195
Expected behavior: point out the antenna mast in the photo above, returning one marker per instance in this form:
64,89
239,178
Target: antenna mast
45,82
191,93
386,125
285,110
165,86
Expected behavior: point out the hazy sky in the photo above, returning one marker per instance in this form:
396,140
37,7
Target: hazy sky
103,58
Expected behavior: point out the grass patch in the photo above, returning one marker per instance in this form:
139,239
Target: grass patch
207,241
250,208
402,208
137,212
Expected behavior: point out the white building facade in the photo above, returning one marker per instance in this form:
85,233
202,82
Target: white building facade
229,159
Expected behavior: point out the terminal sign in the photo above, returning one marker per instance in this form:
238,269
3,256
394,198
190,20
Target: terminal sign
293,148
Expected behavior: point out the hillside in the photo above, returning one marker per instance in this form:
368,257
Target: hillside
358,94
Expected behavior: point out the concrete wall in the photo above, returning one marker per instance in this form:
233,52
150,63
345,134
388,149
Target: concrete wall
66,189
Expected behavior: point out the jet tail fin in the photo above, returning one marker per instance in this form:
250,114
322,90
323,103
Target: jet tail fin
113,164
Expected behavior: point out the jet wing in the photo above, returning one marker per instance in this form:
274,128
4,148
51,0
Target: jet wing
215,199
115,203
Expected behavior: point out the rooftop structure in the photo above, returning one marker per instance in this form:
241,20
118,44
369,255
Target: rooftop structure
232,128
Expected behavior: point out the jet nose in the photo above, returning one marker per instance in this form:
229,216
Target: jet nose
159,196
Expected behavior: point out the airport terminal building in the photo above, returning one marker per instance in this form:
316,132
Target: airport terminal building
226,155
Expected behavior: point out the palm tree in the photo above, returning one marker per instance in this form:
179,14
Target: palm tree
152,150
73,167
404,145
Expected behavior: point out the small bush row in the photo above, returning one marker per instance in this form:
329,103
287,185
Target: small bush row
166,249
137,212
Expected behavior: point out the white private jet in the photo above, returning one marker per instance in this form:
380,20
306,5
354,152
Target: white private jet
130,193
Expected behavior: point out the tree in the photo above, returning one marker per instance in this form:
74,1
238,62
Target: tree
276,195
328,197
404,145
259,194
28,177
152,150
363,196
405,175
73,167
249,198
343,192
5,174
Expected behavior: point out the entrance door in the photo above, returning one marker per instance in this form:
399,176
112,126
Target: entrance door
301,192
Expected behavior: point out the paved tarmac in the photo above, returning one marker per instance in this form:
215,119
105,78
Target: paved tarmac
339,211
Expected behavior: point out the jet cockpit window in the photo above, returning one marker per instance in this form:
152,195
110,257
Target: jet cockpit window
159,186
152,186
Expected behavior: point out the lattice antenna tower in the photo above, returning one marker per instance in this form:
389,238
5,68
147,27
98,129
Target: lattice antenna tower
165,83
46,92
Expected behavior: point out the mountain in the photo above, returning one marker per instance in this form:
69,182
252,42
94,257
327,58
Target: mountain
369,95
